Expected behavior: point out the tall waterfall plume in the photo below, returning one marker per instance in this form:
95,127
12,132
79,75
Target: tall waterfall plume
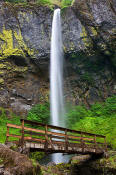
56,72
56,78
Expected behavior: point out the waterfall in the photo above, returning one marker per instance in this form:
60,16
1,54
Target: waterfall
56,77
56,72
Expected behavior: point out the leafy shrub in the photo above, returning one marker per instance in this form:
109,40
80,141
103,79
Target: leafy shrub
4,120
87,78
99,119
37,155
44,2
40,113
62,3
76,114
66,3
16,1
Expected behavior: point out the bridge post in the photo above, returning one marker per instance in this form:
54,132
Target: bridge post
66,140
46,137
105,144
82,142
22,137
95,143
7,134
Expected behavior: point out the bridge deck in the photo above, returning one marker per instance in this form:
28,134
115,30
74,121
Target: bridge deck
48,138
77,149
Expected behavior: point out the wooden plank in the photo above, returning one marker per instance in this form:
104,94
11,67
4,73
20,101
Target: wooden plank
13,126
61,128
46,137
85,141
22,136
95,143
32,122
82,142
84,133
56,137
66,140
34,130
77,137
70,138
34,139
7,134
13,135
55,133
41,132
34,133
64,137
73,138
105,144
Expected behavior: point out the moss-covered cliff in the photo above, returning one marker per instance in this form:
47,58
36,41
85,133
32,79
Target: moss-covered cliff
89,46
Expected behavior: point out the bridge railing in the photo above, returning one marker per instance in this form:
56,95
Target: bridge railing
53,135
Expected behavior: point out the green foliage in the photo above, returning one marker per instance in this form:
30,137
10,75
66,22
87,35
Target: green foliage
99,119
37,155
3,121
40,113
16,1
44,2
65,3
1,161
62,3
87,78
77,113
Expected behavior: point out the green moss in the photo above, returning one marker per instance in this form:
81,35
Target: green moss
37,155
49,3
110,162
9,68
1,81
1,72
8,49
20,69
85,39
1,161
93,30
3,120
2,66
87,78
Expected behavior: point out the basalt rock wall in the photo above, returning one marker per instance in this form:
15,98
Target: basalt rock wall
89,30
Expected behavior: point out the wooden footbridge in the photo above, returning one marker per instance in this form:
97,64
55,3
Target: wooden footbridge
54,139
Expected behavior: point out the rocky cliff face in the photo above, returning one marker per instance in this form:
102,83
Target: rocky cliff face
89,30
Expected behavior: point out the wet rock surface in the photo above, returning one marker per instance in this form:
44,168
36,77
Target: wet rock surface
12,163
83,164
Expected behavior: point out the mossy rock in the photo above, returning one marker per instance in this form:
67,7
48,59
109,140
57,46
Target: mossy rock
1,81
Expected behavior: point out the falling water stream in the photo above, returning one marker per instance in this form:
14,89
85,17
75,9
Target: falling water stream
56,78
56,85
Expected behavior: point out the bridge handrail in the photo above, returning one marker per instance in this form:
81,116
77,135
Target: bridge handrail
60,128
49,133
